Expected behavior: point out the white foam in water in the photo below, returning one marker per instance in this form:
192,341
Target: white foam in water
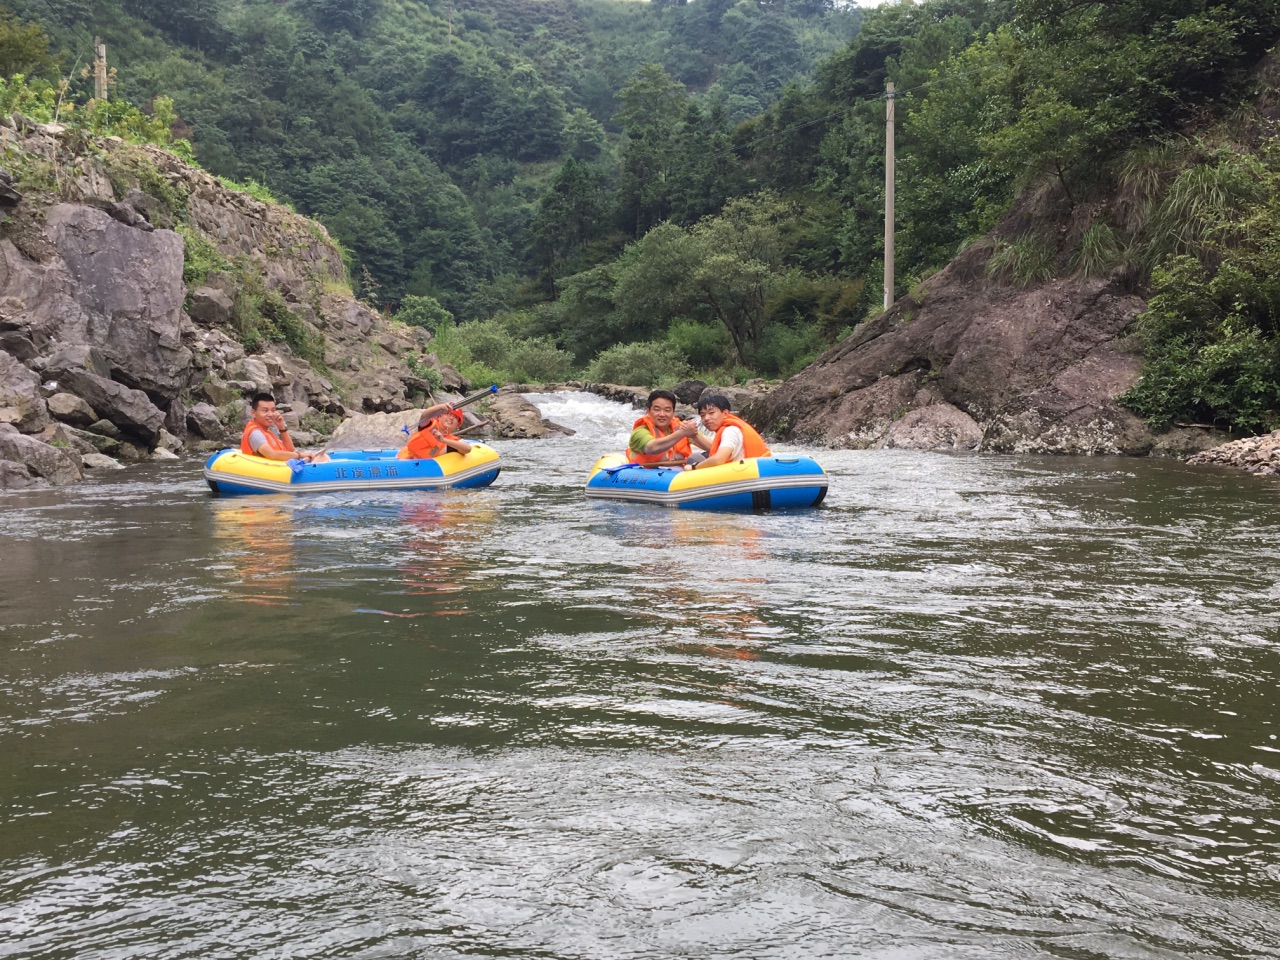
594,418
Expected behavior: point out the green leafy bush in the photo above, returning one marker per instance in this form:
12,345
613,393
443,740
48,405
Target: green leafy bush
487,351
284,324
199,257
422,312
1022,262
702,345
787,350
538,361
1208,358
34,99
638,364
424,371
253,188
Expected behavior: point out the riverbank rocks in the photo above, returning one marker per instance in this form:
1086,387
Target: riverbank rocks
939,426
1257,455
374,431
125,296
204,422
1026,371
129,410
40,460
514,417
99,461
20,401
69,408
95,315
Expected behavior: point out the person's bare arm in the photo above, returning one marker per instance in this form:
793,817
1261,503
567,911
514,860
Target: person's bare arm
663,444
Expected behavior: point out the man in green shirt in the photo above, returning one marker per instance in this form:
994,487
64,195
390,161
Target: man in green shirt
658,436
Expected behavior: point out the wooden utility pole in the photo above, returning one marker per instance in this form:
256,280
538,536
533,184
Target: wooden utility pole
889,96
99,69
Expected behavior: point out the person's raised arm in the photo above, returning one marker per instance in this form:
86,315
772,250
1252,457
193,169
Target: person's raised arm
663,444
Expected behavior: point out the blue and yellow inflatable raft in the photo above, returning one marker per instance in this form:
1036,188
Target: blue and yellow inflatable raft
230,471
757,483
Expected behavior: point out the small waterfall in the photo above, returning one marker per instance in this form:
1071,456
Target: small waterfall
593,417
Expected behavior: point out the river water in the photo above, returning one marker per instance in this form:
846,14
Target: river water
971,707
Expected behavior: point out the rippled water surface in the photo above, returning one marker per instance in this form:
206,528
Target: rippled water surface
971,707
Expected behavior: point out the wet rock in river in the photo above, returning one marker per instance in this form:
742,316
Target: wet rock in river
514,417
40,459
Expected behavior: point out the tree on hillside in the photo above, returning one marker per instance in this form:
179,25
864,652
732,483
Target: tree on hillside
24,49
723,268
652,107
354,16
569,217
194,22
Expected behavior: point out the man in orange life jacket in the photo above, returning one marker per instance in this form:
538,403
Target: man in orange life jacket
659,436
435,434
267,435
734,439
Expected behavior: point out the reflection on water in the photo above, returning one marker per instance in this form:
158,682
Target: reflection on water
255,539
437,563
971,707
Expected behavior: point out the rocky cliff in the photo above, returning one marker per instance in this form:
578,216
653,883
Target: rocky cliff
141,300
971,363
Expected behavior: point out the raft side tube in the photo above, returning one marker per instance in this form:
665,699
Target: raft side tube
763,483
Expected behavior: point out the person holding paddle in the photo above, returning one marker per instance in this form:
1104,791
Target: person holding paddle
436,434
659,436
437,426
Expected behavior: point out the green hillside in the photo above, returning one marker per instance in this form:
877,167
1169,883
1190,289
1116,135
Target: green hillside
424,134
641,190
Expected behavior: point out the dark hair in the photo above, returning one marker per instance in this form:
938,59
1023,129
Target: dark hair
717,400
661,395
260,398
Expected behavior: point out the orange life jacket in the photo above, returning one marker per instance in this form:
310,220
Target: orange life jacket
753,444
423,445
274,442
680,451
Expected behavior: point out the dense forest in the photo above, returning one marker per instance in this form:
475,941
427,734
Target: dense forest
642,190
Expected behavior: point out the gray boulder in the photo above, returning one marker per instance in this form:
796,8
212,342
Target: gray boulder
130,410
374,431
69,408
44,461
20,401
203,420
252,371
99,461
219,392
127,292
938,426
688,391
511,415
15,476
87,441
175,418
9,195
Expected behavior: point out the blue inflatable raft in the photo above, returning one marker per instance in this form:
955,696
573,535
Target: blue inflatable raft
230,471
757,483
